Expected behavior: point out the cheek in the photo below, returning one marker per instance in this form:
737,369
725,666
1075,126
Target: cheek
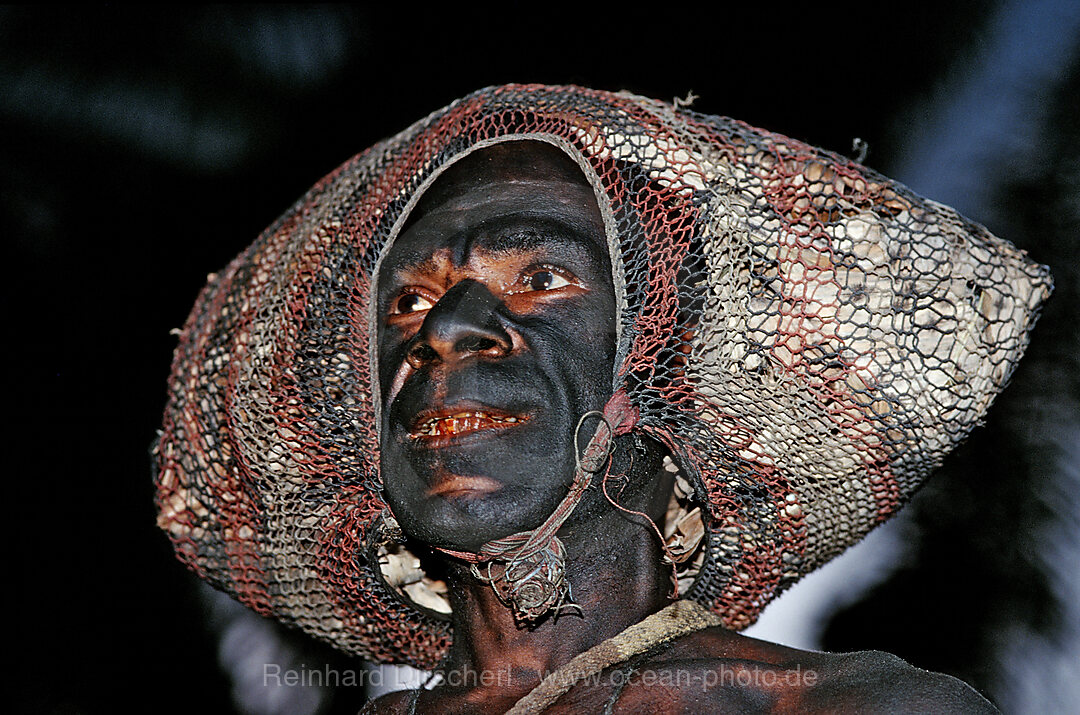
581,352
386,362
588,335
391,358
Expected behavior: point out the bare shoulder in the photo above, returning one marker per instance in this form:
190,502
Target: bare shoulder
873,681
720,671
391,703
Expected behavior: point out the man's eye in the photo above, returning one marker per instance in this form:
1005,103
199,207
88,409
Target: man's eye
545,280
411,303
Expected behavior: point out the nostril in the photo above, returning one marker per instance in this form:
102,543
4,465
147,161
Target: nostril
422,353
475,344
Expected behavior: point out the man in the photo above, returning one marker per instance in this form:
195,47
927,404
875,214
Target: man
623,353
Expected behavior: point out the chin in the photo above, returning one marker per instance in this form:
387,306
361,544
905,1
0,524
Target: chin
465,521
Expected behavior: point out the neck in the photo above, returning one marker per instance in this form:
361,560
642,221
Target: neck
616,576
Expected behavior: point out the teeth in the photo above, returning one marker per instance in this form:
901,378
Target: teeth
460,422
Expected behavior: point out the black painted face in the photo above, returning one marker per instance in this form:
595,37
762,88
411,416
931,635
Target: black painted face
496,333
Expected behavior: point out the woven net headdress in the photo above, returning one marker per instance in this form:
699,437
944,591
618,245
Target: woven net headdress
807,338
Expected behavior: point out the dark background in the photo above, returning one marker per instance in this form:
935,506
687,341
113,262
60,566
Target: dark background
142,149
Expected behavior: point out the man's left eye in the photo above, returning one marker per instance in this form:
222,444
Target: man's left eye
545,280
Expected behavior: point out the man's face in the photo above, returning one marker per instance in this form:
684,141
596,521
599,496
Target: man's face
496,333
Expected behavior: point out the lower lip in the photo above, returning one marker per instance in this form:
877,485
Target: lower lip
456,486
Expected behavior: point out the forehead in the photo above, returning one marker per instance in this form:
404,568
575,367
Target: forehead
519,197
502,220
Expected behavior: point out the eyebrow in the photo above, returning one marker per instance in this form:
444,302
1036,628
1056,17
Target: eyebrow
509,234
522,239
528,231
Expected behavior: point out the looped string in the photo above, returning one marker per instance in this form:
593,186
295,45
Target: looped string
527,570
592,461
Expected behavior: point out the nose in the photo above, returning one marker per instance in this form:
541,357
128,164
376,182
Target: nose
463,324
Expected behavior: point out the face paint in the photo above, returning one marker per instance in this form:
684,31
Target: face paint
497,315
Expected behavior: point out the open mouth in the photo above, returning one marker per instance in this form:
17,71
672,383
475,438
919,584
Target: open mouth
461,423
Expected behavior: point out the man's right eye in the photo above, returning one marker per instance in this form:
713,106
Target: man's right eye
411,303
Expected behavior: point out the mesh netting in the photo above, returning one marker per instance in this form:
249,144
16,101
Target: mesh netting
806,337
